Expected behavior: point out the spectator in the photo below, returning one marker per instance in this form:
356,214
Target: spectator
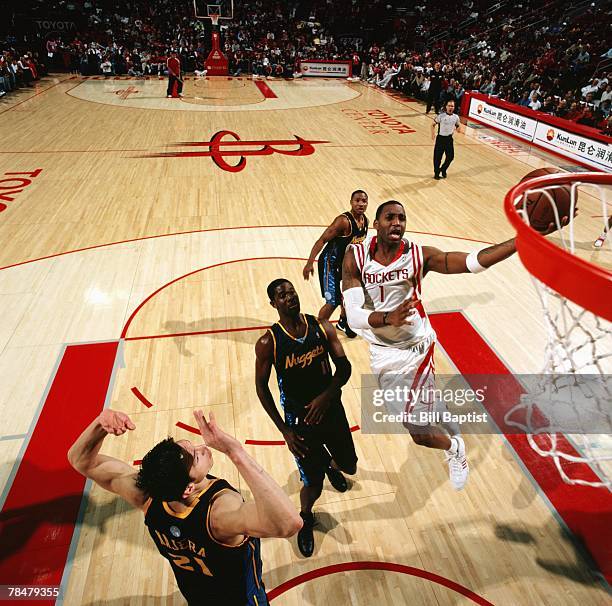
606,100
458,93
562,110
582,59
605,126
534,102
525,100
135,65
419,77
588,117
434,89
17,72
548,107
107,67
390,72
591,87
487,88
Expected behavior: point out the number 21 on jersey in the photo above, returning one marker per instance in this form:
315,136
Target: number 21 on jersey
187,563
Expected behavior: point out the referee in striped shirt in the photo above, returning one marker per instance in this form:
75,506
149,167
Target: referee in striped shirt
446,123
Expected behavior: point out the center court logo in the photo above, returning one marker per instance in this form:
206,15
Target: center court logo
124,93
219,148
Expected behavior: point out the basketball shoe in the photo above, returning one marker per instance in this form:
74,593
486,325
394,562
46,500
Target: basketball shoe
345,328
336,479
458,468
600,241
305,537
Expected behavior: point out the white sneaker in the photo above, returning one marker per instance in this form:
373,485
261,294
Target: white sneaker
458,468
599,242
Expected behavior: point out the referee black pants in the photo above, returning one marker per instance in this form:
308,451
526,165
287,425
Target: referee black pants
443,147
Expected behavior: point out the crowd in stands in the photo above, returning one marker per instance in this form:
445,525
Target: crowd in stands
540,54
548,68
18,71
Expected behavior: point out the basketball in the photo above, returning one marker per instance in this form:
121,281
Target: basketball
539,205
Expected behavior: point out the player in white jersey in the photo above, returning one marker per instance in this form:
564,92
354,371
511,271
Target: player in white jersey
381,282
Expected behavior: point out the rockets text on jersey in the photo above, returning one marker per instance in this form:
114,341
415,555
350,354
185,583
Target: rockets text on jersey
387,286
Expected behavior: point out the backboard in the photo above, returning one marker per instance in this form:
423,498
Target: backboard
205,9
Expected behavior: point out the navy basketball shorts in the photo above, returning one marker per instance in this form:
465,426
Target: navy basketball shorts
330,439
330,276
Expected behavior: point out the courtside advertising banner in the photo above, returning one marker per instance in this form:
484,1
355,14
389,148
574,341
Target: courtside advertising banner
326,69
518,125
588,151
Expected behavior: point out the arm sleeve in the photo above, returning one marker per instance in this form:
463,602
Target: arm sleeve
356,316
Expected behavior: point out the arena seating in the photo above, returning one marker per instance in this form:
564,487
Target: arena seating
550,56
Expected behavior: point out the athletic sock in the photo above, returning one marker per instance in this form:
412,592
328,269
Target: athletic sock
307,517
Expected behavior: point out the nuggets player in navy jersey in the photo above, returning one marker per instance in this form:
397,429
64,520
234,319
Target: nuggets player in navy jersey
350,227
199,523
316,430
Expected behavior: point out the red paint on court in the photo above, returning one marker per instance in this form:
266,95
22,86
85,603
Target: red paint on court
142,398
282,442
38,517
265,90
195,333
189,428
586,511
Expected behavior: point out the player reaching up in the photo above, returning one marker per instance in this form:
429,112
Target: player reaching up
381,282
350,227
199,523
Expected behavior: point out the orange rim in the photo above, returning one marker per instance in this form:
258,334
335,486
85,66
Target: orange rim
584,283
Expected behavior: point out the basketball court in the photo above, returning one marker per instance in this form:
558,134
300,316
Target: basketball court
138,238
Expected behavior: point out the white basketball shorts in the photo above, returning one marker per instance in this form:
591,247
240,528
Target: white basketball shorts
407,378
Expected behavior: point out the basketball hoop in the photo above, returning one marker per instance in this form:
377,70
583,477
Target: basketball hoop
215,20
576,298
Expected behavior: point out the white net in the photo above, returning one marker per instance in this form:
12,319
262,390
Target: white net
567,412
